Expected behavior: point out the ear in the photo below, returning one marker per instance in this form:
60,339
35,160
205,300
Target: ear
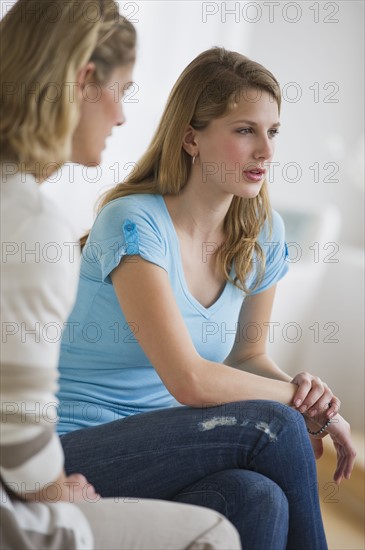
84,76
189,142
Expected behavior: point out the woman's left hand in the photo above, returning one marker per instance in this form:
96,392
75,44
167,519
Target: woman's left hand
340,433
313,396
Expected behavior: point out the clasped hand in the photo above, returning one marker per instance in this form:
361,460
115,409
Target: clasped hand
312,399
314,396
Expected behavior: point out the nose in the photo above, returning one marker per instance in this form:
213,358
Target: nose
120,119
264,148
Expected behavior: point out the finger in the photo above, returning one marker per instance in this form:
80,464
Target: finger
313,396
350,464
323,404
328,403
340,457
337,478
79,478
338,475
90,491
342,462
302,393
335,406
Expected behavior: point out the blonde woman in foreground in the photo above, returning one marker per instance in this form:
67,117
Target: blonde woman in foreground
177,283
67,46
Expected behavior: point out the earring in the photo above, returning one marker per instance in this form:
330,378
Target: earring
193,159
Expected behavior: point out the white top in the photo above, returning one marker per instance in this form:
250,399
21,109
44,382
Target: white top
39,275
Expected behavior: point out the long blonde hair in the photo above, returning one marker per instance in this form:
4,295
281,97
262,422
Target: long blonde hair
204,91
44,44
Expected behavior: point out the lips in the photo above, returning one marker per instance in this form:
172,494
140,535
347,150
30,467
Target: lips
255,174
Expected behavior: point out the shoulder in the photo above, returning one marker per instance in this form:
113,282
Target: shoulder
137,203
144,210
278,226
28,214
39,247
49,223
274,248
40,257
131,225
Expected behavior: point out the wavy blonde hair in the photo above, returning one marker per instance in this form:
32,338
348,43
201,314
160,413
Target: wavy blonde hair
206,90
44,44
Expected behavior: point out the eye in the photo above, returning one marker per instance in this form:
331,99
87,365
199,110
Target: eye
273,132
244,131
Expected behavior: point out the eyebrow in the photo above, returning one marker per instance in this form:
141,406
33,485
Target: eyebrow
251,123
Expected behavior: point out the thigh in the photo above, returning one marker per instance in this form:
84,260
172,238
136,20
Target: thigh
156,455
232,491
133,524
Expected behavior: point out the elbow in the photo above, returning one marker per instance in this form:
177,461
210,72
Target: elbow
189,399
188,391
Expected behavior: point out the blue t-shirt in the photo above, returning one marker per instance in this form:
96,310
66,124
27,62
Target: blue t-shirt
104,373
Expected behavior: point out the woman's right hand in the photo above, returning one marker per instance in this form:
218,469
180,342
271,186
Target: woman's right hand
313,396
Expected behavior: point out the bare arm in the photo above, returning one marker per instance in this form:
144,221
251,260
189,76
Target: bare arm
250,354
146,298
312,395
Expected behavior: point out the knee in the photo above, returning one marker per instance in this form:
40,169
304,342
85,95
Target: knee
274,409
280,415
273,502
262,409
265,495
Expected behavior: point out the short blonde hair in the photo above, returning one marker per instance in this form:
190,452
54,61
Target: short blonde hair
44,44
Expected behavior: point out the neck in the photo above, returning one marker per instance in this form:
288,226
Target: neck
199,211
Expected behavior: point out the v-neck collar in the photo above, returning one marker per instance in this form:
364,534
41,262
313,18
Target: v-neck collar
205,311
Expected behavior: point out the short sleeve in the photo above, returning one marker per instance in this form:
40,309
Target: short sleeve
276,254
127,226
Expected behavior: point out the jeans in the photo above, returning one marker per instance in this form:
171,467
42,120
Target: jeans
251,461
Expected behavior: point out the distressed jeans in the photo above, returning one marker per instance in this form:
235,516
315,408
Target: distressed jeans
250,460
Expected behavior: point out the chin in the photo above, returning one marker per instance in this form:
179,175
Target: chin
249,193
93,161
87,160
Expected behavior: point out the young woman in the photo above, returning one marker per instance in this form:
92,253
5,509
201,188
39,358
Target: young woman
177,283
48,46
